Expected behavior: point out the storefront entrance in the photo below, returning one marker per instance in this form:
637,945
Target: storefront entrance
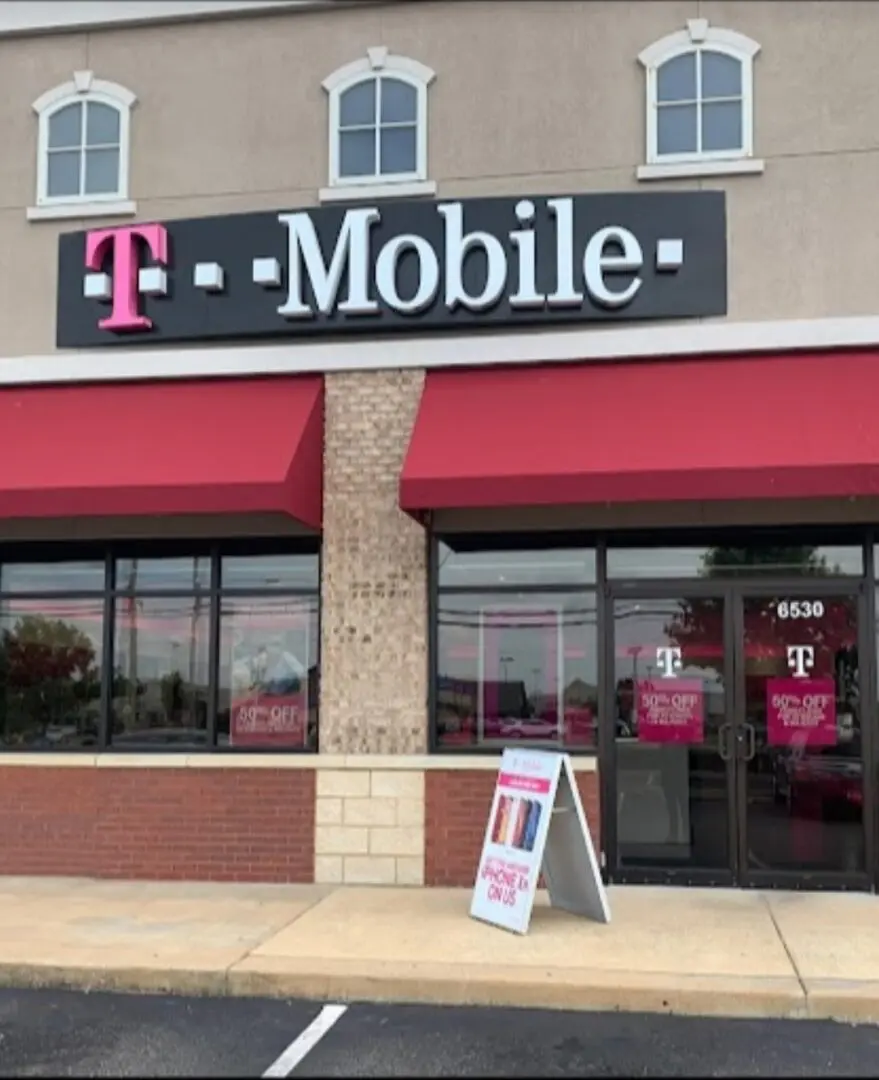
738,753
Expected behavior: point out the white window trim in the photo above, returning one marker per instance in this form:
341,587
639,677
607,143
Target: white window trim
379,61
697,36
82,88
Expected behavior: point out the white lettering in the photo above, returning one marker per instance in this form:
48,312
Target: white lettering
565,294
428,273
596,264
458,246
351,251
525,241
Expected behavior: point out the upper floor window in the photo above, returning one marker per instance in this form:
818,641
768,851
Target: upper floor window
82,148
700,103
378,126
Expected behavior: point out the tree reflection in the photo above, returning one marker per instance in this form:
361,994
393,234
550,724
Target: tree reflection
51,682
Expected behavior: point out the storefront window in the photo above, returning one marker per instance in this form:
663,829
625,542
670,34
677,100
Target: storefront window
51,666
201,650
161,671
268,672
517,655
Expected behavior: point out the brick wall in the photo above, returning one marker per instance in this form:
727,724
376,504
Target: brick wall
374,571
456,809
187,823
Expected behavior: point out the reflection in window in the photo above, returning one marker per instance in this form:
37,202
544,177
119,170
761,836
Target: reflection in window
160,676
724,561
50,673
284,571
52,577
516,666
486,569
174,574
268,684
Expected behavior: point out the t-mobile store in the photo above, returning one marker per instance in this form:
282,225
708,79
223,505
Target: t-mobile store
648,531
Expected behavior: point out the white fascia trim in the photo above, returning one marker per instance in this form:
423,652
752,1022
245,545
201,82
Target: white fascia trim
68,211
419,351
42,16
692,169
404,189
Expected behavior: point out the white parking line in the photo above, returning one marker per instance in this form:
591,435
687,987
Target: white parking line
306,1041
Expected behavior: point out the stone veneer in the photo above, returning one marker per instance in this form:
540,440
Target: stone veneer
369,827
373,572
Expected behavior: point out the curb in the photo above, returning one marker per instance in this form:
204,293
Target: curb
754,997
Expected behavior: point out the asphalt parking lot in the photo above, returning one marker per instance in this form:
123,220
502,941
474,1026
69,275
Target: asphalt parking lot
48,1033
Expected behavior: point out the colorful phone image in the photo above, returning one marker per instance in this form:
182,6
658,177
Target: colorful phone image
498,826
532,825
521,822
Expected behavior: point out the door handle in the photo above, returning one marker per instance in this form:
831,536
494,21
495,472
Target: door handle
748,735
724,748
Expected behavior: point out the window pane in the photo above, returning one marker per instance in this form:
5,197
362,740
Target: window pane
514,669
676,129
65,128
399,154
101,171
172,573
50,673
357,153
554,566
270,571
722,126
63,174
357,105
722,561
721,75
43,577
268,690
101,125
676,79
160,672
398,102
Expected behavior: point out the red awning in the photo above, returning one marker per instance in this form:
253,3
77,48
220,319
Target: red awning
768,427
214,446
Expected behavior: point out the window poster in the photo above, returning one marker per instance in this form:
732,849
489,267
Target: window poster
269,681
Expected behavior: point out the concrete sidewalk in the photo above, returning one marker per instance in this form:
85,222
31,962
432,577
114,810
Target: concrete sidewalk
710,952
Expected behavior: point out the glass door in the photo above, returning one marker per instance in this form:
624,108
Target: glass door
798,738
672,754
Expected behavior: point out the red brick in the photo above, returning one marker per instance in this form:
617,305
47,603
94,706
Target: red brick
457,803
185,824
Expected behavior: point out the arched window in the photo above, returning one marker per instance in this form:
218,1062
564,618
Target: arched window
700,102
378,126
82,148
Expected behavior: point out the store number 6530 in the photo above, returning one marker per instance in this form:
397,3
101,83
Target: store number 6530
799,609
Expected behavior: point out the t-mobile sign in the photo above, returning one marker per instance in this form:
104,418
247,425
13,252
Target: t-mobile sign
398,266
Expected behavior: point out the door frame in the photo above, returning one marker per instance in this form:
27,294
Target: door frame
819,588
646,589
732,592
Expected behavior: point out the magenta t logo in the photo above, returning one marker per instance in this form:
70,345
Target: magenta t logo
124,244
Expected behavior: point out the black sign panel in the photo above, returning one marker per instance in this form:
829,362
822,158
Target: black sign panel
416,265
